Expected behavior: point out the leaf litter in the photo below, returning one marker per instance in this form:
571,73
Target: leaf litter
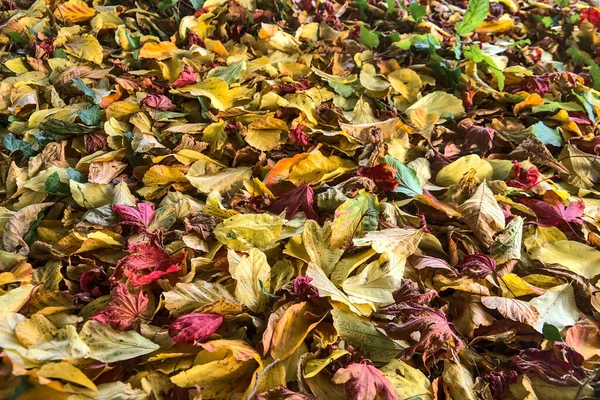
307,199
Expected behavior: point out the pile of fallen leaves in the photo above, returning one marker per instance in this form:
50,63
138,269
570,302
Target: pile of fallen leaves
299,199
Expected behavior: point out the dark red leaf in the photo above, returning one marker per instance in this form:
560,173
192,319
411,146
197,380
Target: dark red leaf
158,102
195,327
381,174
364,382
477,265
499,381
298,134
124,308
301,197
475,135
303,289
437,340
560,365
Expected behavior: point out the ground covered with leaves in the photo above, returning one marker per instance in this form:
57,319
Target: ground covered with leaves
299,199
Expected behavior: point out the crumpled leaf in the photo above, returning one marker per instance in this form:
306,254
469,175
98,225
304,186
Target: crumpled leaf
483,215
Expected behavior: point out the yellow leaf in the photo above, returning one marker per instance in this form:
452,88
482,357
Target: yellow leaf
452,173
500,25
249,273
291,330
409,382
243,232
317,168
582,259
86,47
316,365
406,82
216,89
223,181
531,101
513,286
74,11
158,51
163,175
14,299
67,372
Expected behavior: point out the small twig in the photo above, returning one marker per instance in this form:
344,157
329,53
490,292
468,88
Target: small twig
260,375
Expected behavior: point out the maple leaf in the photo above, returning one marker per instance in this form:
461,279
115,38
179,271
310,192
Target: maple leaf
437,340
301,197
364,382
146,263
139,217
382,174
552,212
186,77
124,308
158,102
561,365
195,327
477,265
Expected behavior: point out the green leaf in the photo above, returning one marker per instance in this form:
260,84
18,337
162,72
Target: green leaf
360,214
197,4
134,41
17,38
551,333
363,8
91,116
345,90
391,7
12,144
229,74
368,38
83,87
476,13
417,11
56,129
547,135
407,178
166,4
53,185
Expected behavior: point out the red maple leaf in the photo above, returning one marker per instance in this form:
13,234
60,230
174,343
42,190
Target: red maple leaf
124,308
364,382
139,217
301,197
437,340
381,174
146,263
196,327
186,77
552,212
158,102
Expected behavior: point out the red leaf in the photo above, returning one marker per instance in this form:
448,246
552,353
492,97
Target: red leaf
525,178
196,327
559,365
298,134
186,77
437,340
124,308
499,381
146,263
140,217
477,265
158,102
552,212
590,14
382,175
365,382
301,197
